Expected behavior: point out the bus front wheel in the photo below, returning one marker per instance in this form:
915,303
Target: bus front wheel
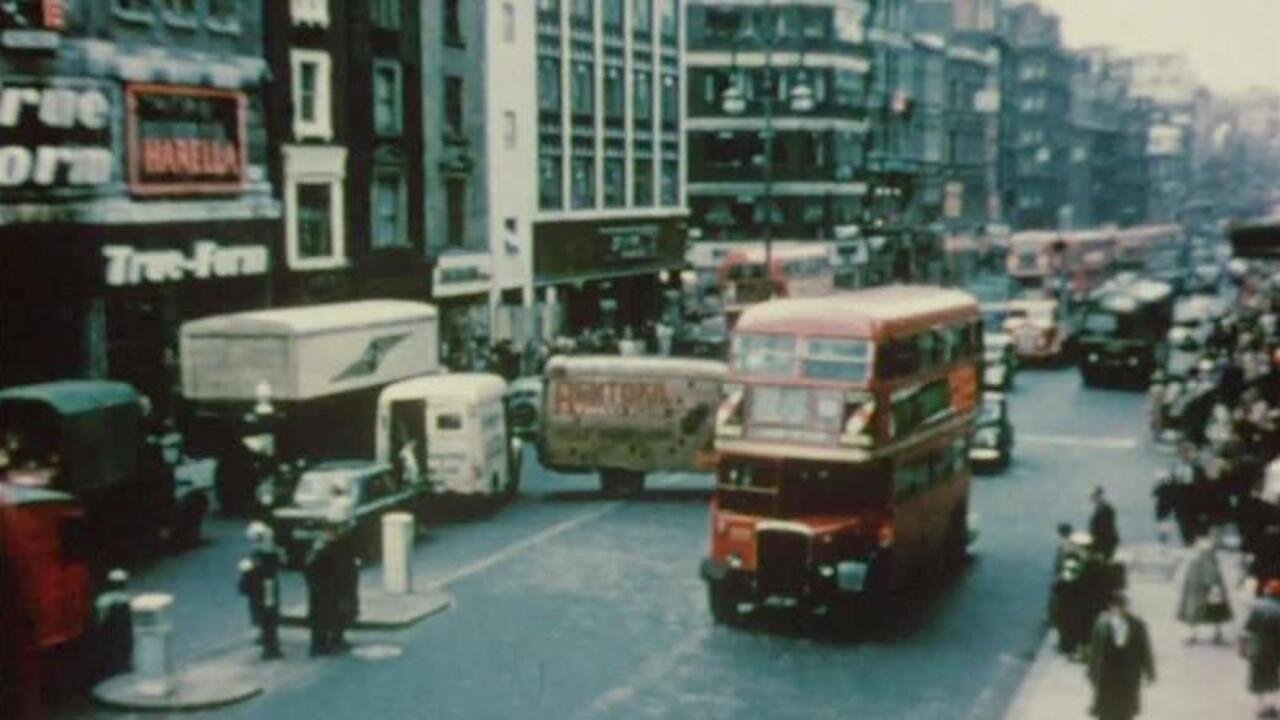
722,599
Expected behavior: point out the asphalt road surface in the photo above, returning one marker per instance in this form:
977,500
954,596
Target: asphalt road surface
568,604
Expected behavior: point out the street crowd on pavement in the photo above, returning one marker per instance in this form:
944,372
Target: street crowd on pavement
1220,501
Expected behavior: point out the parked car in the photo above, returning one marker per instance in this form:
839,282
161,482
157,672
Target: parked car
1041,329
999,361
350,493
992,444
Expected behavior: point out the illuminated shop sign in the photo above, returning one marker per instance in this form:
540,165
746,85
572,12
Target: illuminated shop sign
127,265
54,133
185,140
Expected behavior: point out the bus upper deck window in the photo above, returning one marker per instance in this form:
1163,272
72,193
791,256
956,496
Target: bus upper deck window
449,421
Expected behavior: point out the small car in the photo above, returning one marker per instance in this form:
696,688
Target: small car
999,361
349,493
1040,329
991,447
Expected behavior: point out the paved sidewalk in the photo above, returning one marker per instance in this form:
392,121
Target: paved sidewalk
1192,681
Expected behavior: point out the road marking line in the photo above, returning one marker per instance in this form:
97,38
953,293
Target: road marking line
1098,443
651,671
520,546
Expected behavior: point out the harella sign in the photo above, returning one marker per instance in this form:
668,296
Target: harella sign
185,140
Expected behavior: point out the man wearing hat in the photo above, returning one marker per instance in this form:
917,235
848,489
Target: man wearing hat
259,582
1119,657
1260,645
1102,525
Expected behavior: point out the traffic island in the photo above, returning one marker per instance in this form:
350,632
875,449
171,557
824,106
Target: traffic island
206,685
381,610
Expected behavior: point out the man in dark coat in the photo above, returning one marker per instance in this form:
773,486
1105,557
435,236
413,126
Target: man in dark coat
323,604
1120,656
1260,645
1102,525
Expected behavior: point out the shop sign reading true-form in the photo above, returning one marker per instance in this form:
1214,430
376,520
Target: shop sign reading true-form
54,133
185,140
127,265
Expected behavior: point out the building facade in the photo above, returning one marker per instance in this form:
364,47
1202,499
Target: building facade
1036,100
792,78
344,125
135,192
971,141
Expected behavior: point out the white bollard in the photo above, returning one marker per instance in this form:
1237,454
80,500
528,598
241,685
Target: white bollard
397,541
151,642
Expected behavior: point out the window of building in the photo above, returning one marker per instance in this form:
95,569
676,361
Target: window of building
613,14
455,191
223,15
642,181
670,100
179,12
583,11
312,114
453,105
584,182
550,7
642,104
615,182
309,12
582,90
549,84
508,21
642,16
315,230
509,136
388,106
452,22
385,14
390,209
550,184
670,182
668,21
133,9
614,94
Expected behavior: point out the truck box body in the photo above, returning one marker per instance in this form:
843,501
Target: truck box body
308,352
324,365
642,414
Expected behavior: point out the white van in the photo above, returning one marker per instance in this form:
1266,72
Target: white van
450,431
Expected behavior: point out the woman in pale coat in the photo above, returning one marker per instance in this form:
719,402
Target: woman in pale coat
1204,593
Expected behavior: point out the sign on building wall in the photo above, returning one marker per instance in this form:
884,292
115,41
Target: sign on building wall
55,134
185,140
127,265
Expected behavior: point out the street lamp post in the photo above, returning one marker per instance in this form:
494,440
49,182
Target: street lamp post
734,102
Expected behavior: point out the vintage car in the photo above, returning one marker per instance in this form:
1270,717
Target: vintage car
992,445
1040,328
351,495
999,361
524,408
87,438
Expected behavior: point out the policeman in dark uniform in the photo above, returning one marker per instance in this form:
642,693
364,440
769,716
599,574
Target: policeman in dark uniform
322,596
259,582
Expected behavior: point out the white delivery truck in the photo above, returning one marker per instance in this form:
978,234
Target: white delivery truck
321,367
628,416
450,433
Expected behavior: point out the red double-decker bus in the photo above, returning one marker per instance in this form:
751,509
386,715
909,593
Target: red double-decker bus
792,272
842,468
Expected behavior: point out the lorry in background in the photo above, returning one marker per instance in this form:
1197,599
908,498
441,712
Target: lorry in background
626,417
319,369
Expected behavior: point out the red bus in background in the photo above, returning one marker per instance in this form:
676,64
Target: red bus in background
842,469
793,272
1082,258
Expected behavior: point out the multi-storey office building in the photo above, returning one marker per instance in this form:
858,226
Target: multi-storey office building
927,129
892,167
345,127
972,136
610,224
134,192
1036,101
792,78
1094,122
